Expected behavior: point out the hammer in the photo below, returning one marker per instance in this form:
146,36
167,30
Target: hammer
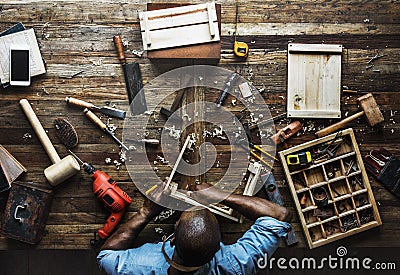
369,108
61,169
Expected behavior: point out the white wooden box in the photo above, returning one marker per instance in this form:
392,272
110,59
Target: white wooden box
314,77
180,26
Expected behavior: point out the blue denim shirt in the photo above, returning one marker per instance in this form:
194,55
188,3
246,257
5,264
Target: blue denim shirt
239,258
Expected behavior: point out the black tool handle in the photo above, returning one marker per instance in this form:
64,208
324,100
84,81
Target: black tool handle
230,81
120,48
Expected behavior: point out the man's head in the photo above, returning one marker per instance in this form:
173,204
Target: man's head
197,237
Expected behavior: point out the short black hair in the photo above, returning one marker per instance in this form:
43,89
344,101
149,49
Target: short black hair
197,237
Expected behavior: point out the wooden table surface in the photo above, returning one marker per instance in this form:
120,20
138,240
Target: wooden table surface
76,36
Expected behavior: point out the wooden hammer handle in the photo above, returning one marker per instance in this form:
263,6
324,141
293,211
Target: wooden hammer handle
96,120
79,102
340,124
120,48
38,128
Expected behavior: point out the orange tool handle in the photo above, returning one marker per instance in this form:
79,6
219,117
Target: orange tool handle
120,48
112,221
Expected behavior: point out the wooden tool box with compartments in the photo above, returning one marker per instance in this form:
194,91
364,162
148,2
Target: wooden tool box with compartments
332,194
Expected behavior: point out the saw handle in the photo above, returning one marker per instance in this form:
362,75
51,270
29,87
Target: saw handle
96,120
38,128
120,48
79,102
337,126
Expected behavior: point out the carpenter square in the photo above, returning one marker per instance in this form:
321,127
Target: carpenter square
133,80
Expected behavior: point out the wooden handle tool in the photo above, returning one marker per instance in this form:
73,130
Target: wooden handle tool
109,111
61,169
38,128
79,102
96,120
369,108
337,126
133,80
120,48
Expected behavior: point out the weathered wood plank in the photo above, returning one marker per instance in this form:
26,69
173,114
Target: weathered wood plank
382,12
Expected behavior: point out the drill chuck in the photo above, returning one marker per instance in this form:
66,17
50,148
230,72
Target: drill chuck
88,168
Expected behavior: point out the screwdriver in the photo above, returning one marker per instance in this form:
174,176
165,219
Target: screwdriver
229,82
96,120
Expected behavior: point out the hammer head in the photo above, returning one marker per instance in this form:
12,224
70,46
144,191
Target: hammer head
62,170
371,109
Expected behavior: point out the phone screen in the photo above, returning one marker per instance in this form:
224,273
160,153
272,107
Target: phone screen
19,65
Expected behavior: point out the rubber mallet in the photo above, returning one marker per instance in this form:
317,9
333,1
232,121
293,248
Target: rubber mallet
369,108
61,169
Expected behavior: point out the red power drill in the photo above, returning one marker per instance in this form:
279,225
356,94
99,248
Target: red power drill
106,190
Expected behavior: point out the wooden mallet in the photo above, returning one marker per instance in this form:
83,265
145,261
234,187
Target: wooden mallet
369,108
61,169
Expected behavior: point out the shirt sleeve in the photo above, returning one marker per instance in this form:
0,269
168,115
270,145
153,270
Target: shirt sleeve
146,259
109,260
249,253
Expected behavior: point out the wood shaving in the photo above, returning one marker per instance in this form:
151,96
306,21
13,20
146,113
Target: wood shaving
174,133
96,62
165,214
161,159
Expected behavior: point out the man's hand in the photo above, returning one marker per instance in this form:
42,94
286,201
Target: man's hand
127,233
206,193
250,207
151,206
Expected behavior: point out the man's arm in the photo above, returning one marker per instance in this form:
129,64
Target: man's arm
251,207
127,233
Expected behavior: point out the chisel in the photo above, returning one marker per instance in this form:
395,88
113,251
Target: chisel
102,126
229,82
112,112
133,80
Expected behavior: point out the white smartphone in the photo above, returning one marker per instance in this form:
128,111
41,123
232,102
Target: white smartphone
20,72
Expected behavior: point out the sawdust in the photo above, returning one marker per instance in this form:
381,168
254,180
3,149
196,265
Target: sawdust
27,136
174,133
165,214
161,159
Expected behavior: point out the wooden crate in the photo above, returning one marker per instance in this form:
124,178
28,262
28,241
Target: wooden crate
350,197
314,72
174,27
210,52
